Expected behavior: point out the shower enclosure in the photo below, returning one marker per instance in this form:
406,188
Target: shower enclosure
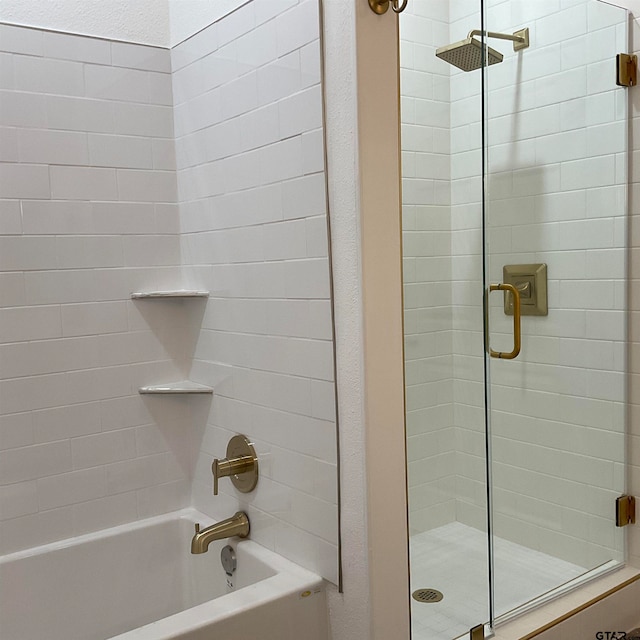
514,231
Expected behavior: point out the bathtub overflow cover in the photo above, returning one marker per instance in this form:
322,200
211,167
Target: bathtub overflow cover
228,559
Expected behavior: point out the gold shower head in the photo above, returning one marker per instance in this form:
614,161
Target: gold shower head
467,54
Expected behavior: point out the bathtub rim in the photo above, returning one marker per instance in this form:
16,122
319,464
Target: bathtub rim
188,513
289,579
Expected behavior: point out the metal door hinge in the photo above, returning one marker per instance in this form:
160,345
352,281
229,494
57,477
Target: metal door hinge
625,511
477,633
626,70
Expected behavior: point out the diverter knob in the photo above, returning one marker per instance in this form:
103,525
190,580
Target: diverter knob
241,465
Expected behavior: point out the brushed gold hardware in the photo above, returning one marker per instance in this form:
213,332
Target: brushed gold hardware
531,282
382,6
625,511
241,465
626,70
471,54
427,595
518,45
379,6
519,38
477,633
517,340
236,525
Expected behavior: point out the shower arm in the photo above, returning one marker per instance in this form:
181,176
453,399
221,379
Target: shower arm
495,34
520,38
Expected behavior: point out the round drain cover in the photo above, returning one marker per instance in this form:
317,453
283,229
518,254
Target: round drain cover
427,595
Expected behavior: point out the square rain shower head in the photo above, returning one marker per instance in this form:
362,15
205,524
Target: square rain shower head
467,54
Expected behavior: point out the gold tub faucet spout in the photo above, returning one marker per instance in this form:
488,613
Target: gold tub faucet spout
236,525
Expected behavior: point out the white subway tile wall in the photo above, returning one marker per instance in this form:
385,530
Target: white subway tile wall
84,203
96,190
251,185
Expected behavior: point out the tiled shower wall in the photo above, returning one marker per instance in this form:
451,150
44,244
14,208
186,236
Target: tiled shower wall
251,185
88,214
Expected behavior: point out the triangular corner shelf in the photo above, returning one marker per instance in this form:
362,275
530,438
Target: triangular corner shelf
183,387
169,293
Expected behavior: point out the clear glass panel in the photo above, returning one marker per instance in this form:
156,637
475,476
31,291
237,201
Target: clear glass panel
442,230
514,464
556,195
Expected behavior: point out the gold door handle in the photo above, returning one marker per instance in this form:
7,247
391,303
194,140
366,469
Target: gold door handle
517,340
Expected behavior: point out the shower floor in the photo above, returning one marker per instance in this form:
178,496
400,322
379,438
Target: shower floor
453,560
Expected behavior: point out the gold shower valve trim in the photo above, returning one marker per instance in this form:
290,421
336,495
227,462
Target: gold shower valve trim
241,465
531,282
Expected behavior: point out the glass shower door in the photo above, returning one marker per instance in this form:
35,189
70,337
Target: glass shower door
555,216
445,421
514,171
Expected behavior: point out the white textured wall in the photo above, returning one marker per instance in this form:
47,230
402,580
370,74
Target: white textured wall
141,21
632,5
187,17
88,215
251,186
163,23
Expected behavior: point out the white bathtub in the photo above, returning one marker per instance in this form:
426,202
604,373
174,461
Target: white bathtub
140,582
